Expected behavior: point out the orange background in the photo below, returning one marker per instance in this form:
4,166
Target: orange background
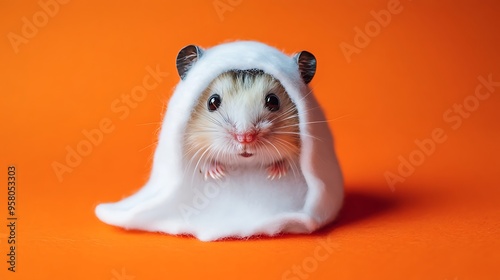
442,222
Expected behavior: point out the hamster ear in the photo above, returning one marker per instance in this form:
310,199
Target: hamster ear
186,58
307,65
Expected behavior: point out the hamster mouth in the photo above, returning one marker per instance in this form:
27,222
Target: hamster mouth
246,154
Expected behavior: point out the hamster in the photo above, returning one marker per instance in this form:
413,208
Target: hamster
243,118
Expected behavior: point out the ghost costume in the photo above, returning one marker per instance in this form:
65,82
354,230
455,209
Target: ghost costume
244,203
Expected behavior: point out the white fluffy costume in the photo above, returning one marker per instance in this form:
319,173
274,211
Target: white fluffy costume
245,203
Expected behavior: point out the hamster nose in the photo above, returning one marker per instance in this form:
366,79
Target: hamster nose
245,138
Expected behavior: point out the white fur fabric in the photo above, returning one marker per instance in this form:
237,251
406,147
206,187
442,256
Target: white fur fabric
245,203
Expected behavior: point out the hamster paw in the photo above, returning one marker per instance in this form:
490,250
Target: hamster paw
277,169
215,170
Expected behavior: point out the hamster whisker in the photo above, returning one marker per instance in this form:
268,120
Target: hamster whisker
298,134
206,130
225,117
289,148
289,117
293,166
311,109
192,147
290,125
282,119
330,120
151,155
154,143
274,146
199,160
208,117
318,107
259,148
206,161
189,154
289,112
209,157
290,159
215,121
306,95
278,131
219,151
269,154
340,117
291,152
316,122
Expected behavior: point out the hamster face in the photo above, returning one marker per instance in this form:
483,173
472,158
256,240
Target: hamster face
243,117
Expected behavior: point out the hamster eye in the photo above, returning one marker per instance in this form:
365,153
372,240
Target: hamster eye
272,102
213,102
